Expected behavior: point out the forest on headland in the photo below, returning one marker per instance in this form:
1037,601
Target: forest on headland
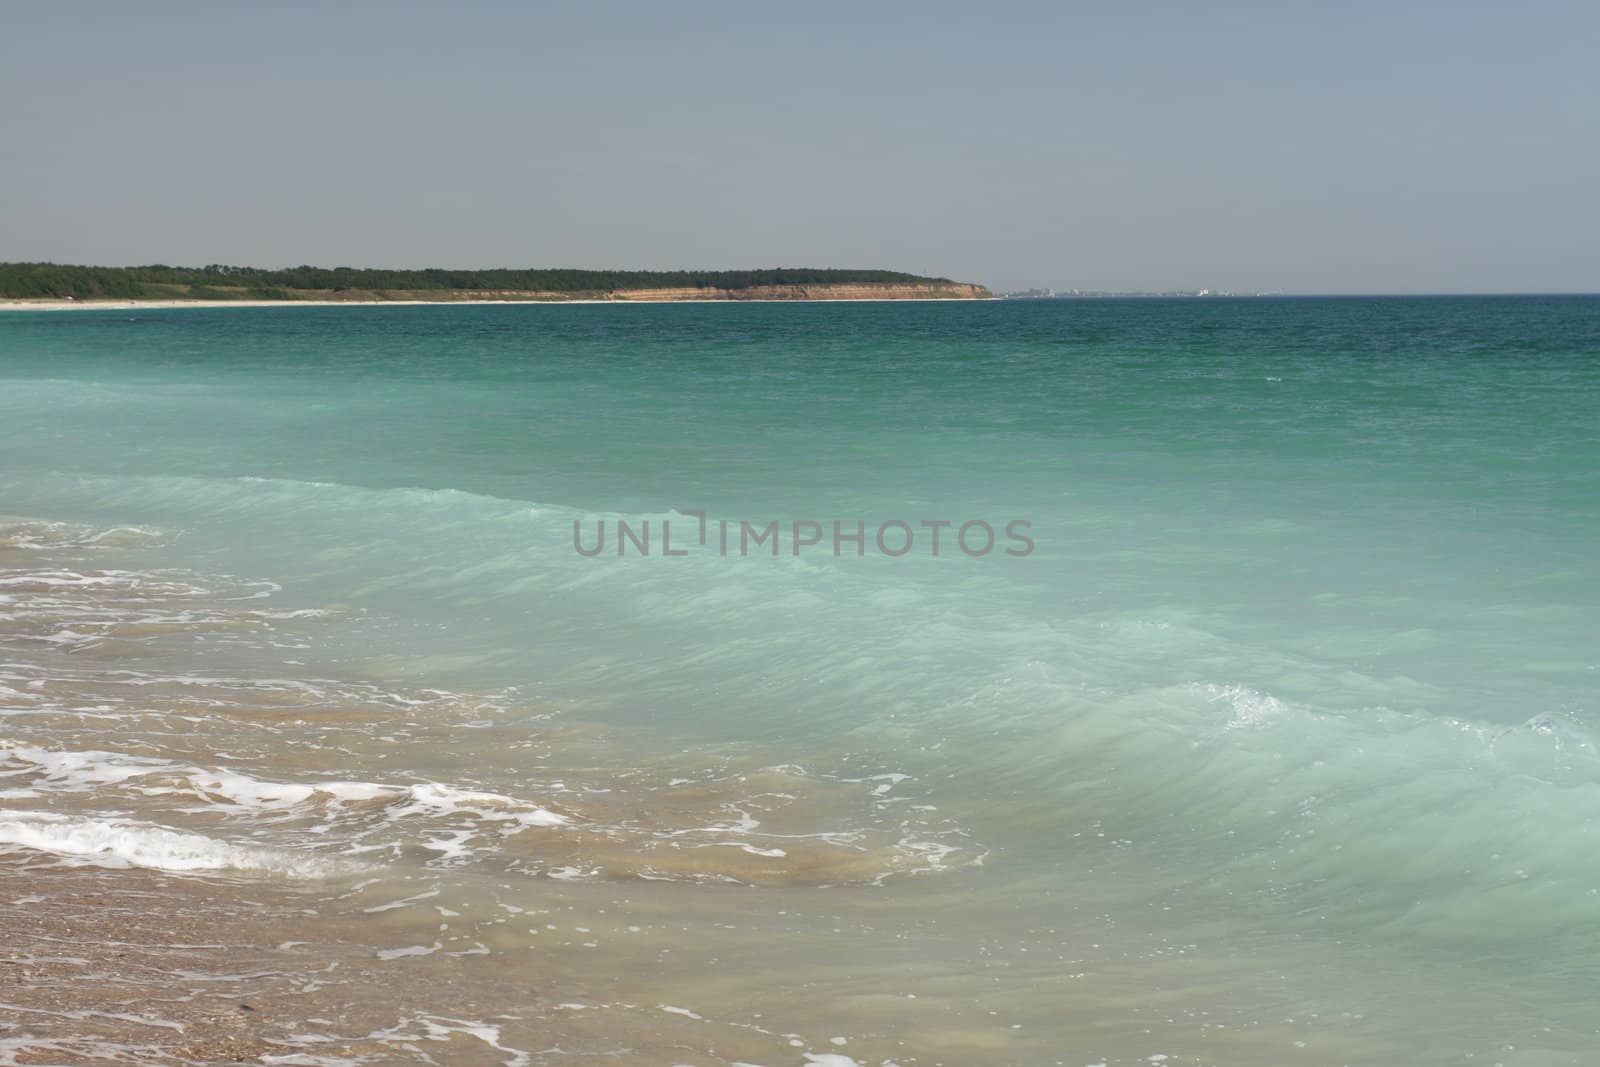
219,282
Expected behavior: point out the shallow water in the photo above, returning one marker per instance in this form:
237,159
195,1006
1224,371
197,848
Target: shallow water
1277,747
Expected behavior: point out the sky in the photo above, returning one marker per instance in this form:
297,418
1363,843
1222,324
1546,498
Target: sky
1299,147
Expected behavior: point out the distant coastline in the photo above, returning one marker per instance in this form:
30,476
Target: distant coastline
46,285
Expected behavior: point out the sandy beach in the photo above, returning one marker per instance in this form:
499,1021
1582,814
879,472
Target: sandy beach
154,305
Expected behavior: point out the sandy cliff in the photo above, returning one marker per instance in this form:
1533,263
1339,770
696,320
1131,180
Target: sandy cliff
863,291
856,291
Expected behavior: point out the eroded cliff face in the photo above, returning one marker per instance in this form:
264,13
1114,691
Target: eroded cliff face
855,291
862,291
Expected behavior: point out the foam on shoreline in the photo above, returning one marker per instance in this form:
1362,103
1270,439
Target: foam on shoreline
118,843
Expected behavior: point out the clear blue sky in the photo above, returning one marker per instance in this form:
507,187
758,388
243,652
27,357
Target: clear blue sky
1333,147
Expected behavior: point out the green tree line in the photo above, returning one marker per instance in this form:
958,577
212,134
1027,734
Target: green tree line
87,283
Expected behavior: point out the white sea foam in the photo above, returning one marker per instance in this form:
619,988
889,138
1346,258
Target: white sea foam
1250,707
440,1028
456,821
74,770
75,609
432,798
119,843
144,583
409,950
41,535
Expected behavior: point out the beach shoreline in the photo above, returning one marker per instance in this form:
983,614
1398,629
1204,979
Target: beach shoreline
162,305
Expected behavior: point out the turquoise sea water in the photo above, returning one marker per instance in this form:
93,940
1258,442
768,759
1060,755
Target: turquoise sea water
1279,746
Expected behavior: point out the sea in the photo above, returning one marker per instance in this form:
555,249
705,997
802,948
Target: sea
1091,682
